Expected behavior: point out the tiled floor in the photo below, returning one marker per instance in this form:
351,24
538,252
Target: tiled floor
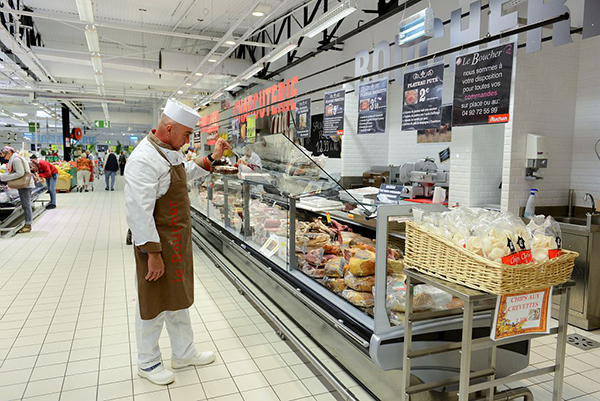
67,303
66,324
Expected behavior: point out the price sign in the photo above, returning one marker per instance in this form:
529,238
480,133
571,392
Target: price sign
521,314
333,123
445,155
422,107
389,194
320,144
372,107
303,118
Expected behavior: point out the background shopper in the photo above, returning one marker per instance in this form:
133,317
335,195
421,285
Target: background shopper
122,162
84,172
48,172
110,169
17,169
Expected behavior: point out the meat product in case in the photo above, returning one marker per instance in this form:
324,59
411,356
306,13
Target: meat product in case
358,298
363,263
365,283
313,271
336,267
334,284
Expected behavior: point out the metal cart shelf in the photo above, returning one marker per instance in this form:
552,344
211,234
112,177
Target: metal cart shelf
483,380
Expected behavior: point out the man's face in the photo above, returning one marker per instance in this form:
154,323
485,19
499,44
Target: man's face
179,135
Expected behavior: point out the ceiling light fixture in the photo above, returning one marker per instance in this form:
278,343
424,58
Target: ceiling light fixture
188,84
96,62
91,37
230,42
233,85
85,10
252,71
281,51
212,60
261,9
329,18
199,74
20,114
27,87
180,92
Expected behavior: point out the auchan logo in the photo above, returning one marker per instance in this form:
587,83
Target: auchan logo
498,118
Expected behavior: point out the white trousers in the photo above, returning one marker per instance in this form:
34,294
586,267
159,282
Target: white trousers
147,333
83,179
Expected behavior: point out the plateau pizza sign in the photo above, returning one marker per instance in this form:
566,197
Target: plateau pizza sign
499,19
273,100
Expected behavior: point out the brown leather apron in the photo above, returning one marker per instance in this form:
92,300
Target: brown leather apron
174,290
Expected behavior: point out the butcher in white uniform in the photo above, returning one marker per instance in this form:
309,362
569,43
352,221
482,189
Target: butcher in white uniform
158,213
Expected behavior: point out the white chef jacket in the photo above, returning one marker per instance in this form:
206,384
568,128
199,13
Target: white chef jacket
147,178
19,168
253,159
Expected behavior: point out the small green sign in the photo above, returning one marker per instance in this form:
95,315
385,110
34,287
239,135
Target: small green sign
101,124
33,127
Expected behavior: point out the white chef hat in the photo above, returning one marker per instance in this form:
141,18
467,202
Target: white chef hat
181,113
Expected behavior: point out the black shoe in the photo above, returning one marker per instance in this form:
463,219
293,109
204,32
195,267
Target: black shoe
50,206
112,189
106,189
87,190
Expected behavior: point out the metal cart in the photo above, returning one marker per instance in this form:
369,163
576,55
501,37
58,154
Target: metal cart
482,380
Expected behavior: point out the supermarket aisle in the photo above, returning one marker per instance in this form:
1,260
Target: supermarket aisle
67,330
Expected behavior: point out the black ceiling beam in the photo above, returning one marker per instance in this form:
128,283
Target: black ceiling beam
383,7
343,38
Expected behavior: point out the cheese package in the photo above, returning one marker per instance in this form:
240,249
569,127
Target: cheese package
336,267
358,298
334,284
365,283
362,263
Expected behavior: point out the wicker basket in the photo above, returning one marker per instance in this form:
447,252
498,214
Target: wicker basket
439,257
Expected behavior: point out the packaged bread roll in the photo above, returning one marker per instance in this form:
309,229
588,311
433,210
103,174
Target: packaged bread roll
336,267
362,263
365,283
357,298
335,284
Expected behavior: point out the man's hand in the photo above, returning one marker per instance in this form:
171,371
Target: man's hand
156,266
220,147
242,161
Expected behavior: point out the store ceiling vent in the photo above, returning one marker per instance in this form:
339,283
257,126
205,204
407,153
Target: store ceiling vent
416,28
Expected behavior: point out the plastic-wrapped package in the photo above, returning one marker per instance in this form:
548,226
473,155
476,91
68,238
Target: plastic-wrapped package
332,248
365,283
315,256
395,266
362,263
336,267
313,271
358,298
425,297
396,318
546,238
347,236
335,284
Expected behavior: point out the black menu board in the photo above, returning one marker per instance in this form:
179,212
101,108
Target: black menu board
333,123
482,86
372,107
319,144
423,90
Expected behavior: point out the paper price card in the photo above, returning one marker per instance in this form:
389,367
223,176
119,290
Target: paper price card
270,247
521,314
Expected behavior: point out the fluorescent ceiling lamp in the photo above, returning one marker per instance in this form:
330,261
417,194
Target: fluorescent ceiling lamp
212,60
27,87
279,53
20,114
180,92
188,84
261,9
233,85
230,42
99,79
199,74
85,10
42,114
97,62
91,37
330,17
252,71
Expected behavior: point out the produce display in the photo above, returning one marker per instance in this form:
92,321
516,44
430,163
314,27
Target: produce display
499,237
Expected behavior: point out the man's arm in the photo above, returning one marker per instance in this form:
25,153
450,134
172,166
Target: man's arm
200,166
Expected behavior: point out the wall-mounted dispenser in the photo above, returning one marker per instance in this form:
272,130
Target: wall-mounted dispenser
536,154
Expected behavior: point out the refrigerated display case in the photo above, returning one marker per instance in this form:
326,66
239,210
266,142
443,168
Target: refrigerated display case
282,226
